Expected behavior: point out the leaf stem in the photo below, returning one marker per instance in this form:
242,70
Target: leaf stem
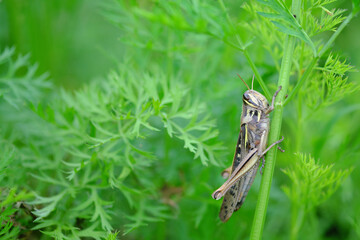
275,128
257,75
309,69
336,34
261,206
246,54
302,80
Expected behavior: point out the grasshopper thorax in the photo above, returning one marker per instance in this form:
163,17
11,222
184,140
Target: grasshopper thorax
255,99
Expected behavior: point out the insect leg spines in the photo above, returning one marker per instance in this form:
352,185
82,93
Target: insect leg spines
262,165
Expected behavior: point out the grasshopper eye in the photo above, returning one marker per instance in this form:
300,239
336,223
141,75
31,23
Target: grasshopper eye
246,96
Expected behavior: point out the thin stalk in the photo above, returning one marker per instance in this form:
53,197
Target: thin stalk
300,122
284,77
311,66
246,54
336,34
261,206
303,78
257,75
297,218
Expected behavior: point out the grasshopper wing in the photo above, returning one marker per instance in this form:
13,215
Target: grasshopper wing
238,191
245,184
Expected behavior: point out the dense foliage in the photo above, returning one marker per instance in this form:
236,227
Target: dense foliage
123,129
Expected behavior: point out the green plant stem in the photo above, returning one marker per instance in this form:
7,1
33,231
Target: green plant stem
303,78
311,66
261,206
297,218
246,54
262,203
336,34
257,75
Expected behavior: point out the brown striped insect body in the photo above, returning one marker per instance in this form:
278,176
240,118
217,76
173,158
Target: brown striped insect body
250,149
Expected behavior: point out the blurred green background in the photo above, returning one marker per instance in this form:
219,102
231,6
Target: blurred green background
79,42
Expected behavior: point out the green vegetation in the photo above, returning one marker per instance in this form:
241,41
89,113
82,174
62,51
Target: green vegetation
117,118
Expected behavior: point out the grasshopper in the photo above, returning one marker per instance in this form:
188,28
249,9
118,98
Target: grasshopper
250,149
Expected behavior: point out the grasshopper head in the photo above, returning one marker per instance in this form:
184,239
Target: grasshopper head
255,99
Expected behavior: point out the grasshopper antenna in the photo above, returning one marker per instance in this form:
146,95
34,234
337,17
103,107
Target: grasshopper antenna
252,82
243,81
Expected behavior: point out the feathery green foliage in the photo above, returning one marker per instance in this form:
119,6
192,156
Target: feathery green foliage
87,132
12,207
136,152
288,23
311,184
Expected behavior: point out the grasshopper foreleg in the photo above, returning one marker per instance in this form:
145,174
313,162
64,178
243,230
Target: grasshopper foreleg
271,108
